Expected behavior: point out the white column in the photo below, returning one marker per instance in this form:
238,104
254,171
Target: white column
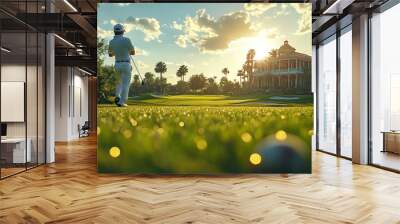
360,90
50,101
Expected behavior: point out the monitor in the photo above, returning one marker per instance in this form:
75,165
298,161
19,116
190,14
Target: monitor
3,129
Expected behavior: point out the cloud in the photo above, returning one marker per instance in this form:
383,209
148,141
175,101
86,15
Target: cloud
256,9
179,64
104,33
181,41
149,26
273,33
210,34
304,23
140,52
141,65
176,25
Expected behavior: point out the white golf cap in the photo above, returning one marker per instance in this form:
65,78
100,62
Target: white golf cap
119,28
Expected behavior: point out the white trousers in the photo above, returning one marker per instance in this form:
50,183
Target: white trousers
122,90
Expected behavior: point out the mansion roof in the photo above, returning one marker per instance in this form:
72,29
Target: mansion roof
286,51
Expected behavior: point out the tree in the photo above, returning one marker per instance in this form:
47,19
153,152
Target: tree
251,54
182,71
211,86
225,71
240,73
226,85
106,75
148,78
249,64
197,82
182,87
273,53
161,68
107,82
136,86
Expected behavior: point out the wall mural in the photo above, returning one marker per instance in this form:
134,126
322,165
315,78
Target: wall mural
204,88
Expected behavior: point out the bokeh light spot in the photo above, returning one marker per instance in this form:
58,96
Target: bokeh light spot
255,158
134,123
246,137
98,130
114,152
181,124
127,133
201,144
160,131
280,135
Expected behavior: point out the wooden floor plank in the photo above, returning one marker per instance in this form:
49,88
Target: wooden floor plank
71,191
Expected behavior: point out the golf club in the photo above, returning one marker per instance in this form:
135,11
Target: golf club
140,76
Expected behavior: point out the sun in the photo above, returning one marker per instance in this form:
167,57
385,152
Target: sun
261,46
258,42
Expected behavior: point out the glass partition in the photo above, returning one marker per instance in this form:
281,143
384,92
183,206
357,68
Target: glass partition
22,88
346,92
14,155
327,95
385,89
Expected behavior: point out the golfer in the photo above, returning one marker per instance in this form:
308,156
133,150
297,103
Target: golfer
121,47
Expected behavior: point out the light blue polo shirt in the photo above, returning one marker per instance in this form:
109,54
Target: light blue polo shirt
121,46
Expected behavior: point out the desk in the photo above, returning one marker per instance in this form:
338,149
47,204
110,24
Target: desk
18,149
391,141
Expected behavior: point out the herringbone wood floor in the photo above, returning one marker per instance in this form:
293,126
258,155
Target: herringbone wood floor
70,191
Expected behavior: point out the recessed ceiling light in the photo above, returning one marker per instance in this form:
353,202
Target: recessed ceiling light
86,72
5,50
70,5
64,40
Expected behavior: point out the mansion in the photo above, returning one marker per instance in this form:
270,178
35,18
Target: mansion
283,69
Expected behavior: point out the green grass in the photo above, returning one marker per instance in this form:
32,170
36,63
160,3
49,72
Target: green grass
221,100
203,135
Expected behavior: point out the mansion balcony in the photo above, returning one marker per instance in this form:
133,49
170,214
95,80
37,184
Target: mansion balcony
279,72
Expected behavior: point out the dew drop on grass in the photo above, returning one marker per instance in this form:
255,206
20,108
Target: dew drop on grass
281,135
114,152
127,133
246,137
255,158
201,144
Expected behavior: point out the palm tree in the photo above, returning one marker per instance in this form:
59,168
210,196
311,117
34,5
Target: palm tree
225,71
250,64
149,77
161,68
244,70
240,73
251,54
183,69
273,53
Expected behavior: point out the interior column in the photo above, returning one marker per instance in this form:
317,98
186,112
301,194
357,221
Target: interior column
360,90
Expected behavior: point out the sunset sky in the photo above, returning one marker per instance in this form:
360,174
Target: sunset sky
206,37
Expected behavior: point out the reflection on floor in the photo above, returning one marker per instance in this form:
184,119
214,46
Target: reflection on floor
9,170
71,191
387,159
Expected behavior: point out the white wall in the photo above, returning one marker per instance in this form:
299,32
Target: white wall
33,127
71,94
